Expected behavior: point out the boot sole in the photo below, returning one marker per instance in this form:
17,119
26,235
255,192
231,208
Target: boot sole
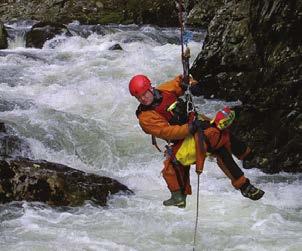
179,204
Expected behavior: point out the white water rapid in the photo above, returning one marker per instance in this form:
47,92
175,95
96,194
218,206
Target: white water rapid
70,101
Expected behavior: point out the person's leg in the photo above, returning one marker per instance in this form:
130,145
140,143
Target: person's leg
187,184
220,143
238,147
229,167
175,177
233,171
170,176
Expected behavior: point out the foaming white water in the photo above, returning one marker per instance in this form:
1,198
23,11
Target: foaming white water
72,105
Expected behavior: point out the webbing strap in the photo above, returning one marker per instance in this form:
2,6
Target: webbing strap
154,142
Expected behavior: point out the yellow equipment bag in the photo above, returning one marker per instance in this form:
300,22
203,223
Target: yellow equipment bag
186,154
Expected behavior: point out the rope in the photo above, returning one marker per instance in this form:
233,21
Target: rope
185,52
185,37
196,219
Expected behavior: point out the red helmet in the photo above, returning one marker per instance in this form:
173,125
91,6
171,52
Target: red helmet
224,118
139,84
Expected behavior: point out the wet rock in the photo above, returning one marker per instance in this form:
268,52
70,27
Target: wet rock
252,52
54,184
12,145
3,37
85,30
163,13
2,128
43,31
22,178
203,12
115,47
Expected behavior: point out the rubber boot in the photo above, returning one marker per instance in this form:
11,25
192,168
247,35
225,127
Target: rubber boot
184,205
177,199
251,192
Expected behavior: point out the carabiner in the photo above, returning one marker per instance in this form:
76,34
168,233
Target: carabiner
189,101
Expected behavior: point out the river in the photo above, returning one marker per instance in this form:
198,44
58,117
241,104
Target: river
70,101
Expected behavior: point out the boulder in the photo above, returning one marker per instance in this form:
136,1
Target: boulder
22,178
116,47
54,184
43,31
3,37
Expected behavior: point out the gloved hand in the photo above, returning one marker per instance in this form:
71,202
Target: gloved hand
195,125
197,89
192,82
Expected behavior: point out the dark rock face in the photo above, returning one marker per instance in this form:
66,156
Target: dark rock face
253,52
157,12
203,12
3,37
13,146
43,31
54,184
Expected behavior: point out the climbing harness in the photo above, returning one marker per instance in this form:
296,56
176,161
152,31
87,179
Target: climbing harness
176,165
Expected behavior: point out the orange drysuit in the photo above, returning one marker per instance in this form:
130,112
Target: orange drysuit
156,123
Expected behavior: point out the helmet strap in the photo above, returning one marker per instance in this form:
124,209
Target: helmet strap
157,97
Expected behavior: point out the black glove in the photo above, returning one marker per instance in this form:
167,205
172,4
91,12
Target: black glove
196,89
195,125
184,86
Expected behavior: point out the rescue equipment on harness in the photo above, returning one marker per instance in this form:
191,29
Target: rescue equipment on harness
224,118
178,109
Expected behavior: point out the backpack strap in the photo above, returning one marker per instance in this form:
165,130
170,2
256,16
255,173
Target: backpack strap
154,143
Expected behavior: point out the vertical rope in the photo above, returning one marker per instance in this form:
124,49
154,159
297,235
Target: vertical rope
185,51
196,219
185,56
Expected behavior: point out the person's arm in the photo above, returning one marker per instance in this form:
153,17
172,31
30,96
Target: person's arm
174,85
153,123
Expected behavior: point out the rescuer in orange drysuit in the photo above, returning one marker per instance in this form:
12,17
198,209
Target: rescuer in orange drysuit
162,114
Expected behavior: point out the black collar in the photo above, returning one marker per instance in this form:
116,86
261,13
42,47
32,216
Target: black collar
157,98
